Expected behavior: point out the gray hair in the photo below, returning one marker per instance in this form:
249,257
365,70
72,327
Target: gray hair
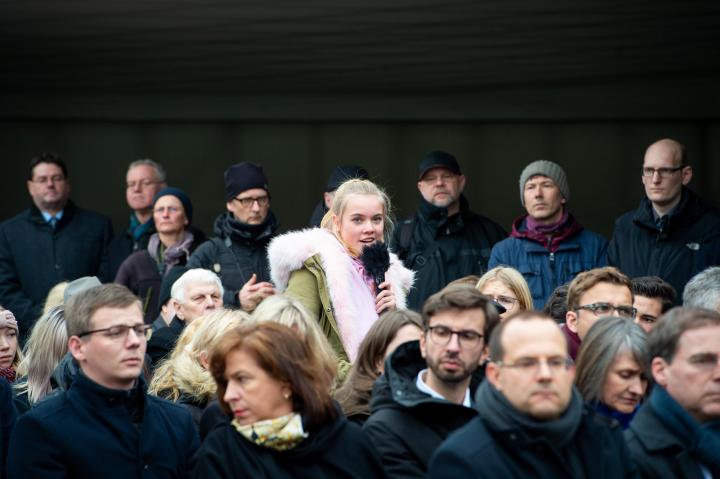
193,276
605,340
47,344
159,170
703,290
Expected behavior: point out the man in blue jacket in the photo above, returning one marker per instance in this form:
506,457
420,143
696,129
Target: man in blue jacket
51,242
105,424
547,245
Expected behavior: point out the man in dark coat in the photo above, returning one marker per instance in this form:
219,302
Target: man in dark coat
143,180
674,233
548,246
51,242
237,253
425,392
531,421
676,433
105,424
443,240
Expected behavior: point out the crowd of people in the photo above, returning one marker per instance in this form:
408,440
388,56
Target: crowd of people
437,347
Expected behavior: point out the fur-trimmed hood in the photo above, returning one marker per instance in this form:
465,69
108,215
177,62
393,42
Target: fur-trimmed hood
288,252
353,305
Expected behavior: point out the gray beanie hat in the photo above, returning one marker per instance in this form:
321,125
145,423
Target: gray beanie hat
546,168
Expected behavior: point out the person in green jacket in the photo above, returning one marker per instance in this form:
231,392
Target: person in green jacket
321,268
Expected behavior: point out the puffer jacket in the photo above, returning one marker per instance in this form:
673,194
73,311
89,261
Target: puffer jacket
545,270
687,245
236,252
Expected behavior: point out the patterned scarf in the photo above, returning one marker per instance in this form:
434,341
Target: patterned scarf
172,255
281,433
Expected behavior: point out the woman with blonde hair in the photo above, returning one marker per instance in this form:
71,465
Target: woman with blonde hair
289,311
46,346
507,287
10,353
184,377
322,267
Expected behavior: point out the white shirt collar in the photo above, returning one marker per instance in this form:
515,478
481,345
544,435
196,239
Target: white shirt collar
422,386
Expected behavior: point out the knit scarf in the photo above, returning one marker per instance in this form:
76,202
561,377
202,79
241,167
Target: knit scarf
497,411
172,255
702,440
550,236
281,433
8,373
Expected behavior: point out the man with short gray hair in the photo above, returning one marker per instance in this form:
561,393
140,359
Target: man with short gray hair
547,245
676,433
194,294
105,424
143,180
703,290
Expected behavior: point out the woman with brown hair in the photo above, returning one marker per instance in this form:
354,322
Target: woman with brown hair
285,423
388,332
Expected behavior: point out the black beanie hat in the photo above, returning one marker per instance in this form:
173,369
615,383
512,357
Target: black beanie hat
179,194
242,177
342,173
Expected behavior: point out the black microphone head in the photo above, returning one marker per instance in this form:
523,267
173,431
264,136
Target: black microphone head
376,261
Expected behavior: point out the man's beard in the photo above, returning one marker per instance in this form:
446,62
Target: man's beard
447,376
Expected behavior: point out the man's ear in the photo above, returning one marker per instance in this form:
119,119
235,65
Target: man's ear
658,368
687,174
76,348
423,344
461,183
571,320
178,309
492,374
484,356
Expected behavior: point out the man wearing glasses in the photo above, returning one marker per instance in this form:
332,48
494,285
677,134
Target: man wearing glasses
105,423
531,421
675,433
673,234
595,294
237,253
144,178
444,240
52,241
427,388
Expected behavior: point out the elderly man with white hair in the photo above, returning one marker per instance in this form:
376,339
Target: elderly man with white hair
703,290
195,293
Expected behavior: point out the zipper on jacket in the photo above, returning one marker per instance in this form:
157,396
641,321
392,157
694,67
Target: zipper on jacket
551,259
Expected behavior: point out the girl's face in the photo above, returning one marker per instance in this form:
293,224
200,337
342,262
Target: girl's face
362,222
8,346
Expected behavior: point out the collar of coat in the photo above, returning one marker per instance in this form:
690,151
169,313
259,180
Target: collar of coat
288,253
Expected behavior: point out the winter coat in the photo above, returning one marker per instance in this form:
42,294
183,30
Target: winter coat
332,451
441,249
656,451
34,257
235,253
477,451
141,274
406,425
124,244
545,270
89,431
687,245
312,266
8,415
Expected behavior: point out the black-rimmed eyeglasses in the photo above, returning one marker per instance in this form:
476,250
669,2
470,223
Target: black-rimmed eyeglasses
467,338
121,331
